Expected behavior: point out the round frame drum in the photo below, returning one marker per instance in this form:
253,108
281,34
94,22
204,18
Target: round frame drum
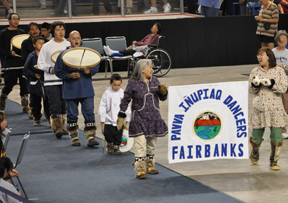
55,56
127,142
17,40
81,57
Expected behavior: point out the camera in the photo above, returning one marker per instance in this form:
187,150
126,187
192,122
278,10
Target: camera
284,66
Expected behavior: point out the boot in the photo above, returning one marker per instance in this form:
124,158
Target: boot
275,155
117,150
90,133
47,116
150,163
65,132
140,167
3,98
57,125
37,123
24,103
254,148
109,148
73,132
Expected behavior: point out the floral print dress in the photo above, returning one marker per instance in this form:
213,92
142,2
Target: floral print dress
268,110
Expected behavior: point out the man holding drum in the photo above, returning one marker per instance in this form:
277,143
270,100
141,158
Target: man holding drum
11,62
53,84
78,88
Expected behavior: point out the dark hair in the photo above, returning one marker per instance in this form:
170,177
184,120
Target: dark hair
30,24
159,27
10,15
3,116
55,24
5,163
115,77
46,25
35,39
270,54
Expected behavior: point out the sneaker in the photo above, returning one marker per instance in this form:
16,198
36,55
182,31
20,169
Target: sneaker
284,135
167,8
42,7
65,11
37,123
151,10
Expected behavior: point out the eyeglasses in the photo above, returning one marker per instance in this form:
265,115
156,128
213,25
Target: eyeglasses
257,56
15,19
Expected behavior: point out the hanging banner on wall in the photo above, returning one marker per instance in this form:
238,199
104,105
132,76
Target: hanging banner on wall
208,121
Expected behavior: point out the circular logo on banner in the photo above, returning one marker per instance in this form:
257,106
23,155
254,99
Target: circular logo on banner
207,125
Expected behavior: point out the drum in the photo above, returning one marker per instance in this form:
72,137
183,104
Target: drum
55,56
81,57
17,40
127,142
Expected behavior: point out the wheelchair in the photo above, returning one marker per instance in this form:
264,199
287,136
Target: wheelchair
161,60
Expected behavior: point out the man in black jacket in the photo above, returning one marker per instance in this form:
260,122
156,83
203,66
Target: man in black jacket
11,62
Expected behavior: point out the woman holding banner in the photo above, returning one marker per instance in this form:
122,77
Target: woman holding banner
267,83
146,123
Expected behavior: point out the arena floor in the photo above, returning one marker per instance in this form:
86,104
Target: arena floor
237,178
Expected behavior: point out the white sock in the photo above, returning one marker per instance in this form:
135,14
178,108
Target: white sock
109,51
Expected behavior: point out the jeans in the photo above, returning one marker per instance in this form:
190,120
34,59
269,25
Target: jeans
87,108
209,11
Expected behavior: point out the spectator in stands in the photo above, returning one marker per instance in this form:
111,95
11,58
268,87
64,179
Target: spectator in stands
278,3
107,6
128,6
6,166
140,45
45,31
3,124
267,82
267,23
281,55
60,10
209,8
154,9
5,3
284,5
42,4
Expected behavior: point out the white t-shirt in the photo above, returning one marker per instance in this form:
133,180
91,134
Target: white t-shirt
45,62
281,58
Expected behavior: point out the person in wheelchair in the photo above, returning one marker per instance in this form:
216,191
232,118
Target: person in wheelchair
141,46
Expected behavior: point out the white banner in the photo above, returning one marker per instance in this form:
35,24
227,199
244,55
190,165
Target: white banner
208,121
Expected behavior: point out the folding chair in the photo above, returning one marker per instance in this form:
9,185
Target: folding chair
20,157
97,45
117,43
7,133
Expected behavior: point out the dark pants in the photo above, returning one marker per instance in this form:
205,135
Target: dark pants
87,108
35,104
61,6
127,52
112,135
191,6
57,105
95,7
10,78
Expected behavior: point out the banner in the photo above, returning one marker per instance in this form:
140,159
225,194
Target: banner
208,121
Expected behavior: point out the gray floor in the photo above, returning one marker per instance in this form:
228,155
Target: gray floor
237,178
